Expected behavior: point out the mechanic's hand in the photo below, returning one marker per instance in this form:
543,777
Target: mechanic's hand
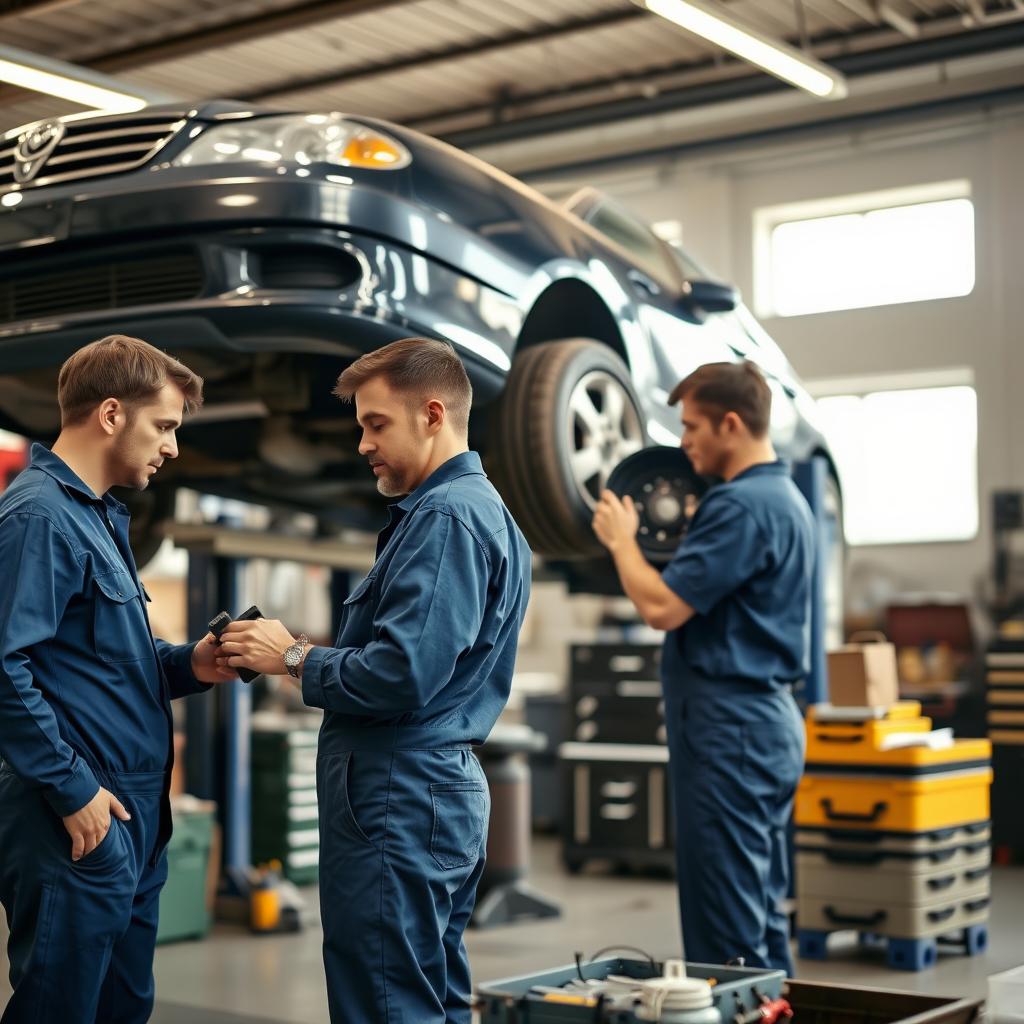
257,644
206,667
615,521
89,825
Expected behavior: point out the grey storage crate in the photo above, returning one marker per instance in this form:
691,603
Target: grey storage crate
823,873
510,1001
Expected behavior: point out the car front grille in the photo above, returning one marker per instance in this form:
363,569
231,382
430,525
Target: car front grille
95,146
173,275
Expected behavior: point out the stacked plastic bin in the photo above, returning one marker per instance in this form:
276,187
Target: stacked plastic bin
1004,675
892,843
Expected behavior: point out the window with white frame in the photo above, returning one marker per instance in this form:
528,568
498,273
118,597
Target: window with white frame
874,249
907,458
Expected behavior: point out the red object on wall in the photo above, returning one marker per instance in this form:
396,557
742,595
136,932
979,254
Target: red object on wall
12,462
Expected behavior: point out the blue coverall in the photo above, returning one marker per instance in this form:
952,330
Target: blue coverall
736,740
84,703
422,668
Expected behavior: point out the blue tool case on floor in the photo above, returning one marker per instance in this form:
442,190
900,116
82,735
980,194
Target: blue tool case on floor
511,1001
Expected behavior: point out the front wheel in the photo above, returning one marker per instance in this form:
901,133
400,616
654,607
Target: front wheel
567,417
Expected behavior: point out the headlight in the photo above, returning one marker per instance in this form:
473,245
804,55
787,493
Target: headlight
297,138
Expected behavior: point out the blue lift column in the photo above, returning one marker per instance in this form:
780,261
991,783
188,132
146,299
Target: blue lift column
218,722
237,705
811,478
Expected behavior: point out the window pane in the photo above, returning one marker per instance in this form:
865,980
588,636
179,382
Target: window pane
874,258
630,234
908,463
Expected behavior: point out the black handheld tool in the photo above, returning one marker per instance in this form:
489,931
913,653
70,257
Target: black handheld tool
218,624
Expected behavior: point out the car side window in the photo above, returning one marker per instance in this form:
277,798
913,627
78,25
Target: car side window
690,270
634,236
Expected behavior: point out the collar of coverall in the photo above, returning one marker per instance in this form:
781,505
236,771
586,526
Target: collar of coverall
463,464
53,465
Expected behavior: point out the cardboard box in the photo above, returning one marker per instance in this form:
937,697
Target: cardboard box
863,675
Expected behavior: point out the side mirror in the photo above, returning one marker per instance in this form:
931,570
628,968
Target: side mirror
701,298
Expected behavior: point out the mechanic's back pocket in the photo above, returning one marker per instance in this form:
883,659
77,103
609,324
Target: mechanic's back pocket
461,810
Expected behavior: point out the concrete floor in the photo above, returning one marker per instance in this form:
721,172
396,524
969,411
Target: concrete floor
233,977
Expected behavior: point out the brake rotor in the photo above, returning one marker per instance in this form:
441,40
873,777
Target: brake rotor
665,491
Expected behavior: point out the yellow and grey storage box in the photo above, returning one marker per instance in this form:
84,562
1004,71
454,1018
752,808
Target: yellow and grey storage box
909,801
890,878
950,912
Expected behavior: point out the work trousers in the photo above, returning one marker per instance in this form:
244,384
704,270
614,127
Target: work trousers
402,839
82,934
734,766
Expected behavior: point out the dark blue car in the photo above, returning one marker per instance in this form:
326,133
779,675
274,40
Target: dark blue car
267,250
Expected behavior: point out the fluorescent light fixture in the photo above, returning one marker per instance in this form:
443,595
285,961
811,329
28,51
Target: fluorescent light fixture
772,55
69,82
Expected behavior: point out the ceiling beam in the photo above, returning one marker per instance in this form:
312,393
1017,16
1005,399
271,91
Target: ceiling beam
242,30
901,22
602,112
421,60
863,9
303,15
11,9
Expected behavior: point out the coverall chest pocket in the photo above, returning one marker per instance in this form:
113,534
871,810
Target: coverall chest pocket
357,615
119,626
461,810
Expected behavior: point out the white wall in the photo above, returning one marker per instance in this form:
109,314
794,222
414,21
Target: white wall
715,198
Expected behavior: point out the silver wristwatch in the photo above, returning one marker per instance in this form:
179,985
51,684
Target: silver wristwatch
294,654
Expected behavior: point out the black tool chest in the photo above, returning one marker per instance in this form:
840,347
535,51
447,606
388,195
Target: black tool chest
615,766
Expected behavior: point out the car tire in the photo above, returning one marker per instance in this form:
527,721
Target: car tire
567,417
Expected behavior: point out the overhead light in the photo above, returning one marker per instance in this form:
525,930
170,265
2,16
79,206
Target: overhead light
772,55
55,78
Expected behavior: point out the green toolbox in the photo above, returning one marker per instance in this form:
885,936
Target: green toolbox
285,820
183,912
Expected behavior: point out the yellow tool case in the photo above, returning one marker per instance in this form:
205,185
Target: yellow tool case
911,761
845,740
902,803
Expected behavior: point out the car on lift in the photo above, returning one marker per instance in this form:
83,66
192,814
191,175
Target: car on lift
268,250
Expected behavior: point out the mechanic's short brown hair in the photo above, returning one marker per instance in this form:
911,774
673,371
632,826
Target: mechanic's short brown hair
720,388
128,369
420,368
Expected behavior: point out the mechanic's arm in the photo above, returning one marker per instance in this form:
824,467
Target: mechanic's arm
616,523
191,668
42,573
428,615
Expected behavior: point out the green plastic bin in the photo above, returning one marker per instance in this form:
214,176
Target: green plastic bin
183,913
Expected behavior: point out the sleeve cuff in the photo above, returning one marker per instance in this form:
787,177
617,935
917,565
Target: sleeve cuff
177,664
312,678
74,794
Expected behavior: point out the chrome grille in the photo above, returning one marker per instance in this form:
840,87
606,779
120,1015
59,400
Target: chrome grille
173,275
95,146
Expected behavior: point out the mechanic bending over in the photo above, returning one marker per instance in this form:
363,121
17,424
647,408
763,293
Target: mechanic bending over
420,671
85,690
735,605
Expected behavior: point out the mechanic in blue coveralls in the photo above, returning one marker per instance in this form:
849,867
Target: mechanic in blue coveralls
421,669
85,689
735,604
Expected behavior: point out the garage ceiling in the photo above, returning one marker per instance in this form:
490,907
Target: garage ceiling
482,72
